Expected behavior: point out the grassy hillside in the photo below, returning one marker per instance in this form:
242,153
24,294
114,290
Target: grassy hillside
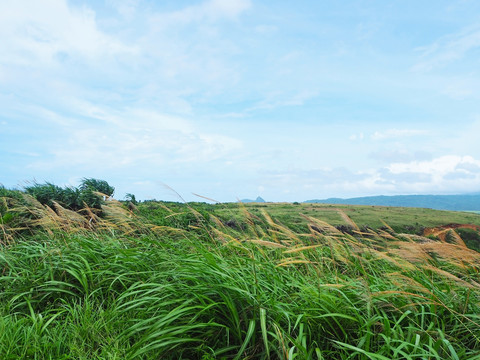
411,220
232,282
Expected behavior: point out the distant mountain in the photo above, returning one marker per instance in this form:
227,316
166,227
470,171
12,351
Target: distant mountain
439,202
257,200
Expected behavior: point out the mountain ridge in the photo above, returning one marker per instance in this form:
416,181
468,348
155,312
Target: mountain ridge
470,202
257,200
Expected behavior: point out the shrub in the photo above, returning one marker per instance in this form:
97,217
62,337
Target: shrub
45,193
131,198
101,186
470,237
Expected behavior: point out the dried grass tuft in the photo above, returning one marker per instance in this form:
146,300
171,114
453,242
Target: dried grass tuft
347,219
266,243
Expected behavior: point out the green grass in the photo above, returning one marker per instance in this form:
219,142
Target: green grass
179,283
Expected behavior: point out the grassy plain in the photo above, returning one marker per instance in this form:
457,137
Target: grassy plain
229,281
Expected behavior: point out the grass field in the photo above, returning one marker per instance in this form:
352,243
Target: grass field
400,219
226,281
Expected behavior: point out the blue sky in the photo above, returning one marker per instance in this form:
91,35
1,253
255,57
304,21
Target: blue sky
232,99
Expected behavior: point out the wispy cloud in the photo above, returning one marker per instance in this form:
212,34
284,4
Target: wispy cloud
396,134
210,10
126,8
279,99
448,49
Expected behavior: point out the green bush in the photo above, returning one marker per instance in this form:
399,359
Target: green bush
101,186
470,237
45,193
6,199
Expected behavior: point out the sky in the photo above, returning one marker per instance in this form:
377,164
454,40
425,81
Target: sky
234,99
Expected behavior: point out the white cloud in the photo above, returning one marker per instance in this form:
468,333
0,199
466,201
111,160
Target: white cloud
51,31
438,166
446,174
130,119
461,88
390,154
276,99
300,98
358,136
190,51
452,174
132,137
396,133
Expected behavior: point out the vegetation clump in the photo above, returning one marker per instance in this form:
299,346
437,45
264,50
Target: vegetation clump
471,238
91,193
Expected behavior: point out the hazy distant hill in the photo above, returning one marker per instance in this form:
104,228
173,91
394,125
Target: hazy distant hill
257,200
439,202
